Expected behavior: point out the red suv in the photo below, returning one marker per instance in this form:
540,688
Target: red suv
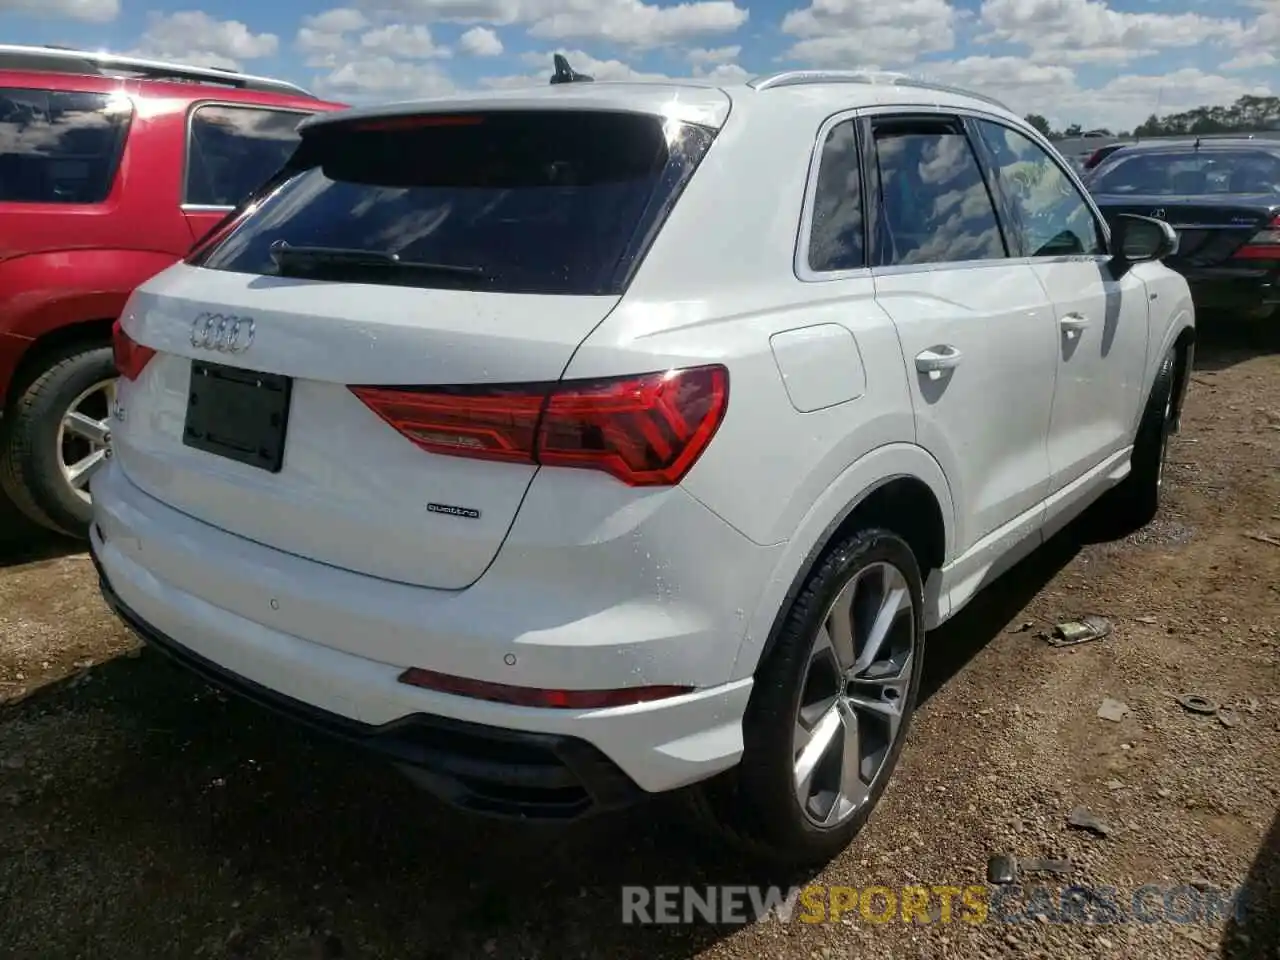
110,169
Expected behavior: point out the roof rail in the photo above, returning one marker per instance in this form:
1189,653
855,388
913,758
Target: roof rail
793,78
56,59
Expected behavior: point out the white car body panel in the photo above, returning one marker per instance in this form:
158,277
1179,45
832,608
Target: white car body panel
327,504
325,581
1101,366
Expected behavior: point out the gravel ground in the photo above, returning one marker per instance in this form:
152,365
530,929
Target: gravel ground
143,816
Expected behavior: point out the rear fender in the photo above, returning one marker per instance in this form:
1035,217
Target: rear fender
857,482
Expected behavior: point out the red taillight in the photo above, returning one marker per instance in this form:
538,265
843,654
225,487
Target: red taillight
131,358
645,430
1263,245
534,697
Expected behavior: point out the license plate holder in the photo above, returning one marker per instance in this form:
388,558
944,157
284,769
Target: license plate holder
240,415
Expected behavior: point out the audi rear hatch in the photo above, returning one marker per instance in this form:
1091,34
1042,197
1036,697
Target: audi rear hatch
353,369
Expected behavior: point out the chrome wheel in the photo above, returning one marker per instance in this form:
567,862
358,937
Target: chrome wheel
83,436
856,686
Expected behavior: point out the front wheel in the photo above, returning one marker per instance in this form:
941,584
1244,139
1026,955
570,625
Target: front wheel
55,438
1134,502
831,705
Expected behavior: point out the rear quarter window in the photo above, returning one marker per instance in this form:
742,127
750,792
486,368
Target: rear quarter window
60,147
232,150
546,201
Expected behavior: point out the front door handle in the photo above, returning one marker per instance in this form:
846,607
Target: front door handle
937,360
1073,324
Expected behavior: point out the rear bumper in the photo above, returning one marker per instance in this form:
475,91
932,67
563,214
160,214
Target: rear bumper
473,767
177,581
1243,292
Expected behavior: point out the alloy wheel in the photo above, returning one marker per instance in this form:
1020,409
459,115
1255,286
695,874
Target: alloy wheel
84,435
857,683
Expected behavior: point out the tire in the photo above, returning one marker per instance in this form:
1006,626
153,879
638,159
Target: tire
32,442
1134,502
758,803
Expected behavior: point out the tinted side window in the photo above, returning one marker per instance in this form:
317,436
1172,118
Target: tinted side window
1052,218
60,147
937,209
835,235
233,150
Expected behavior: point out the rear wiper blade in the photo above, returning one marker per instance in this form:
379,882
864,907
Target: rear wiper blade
285,253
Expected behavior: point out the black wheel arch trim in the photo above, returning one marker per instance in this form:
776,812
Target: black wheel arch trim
815,554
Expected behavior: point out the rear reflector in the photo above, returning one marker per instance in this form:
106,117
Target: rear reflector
533,697
1263,245
645,430
131,358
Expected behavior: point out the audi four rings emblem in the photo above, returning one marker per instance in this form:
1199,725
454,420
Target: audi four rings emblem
226,334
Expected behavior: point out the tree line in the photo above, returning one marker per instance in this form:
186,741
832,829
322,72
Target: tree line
1249,114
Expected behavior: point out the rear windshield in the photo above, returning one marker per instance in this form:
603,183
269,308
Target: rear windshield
550,202
1190,173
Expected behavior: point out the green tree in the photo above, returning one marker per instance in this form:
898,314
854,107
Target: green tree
1040,123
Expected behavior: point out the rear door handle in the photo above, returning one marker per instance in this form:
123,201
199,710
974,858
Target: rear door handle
937,360
1073,324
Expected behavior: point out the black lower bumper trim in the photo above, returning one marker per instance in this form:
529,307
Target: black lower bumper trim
482,769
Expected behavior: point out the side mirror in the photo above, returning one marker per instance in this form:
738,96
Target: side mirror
1141,239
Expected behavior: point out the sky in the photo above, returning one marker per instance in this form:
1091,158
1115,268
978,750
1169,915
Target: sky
1094,62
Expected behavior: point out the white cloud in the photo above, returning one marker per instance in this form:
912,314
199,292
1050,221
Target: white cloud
92,11
364,62
1251,61
1090,31
194,37
480,42
606,70
640,24
326,33
398,40
726,73
579,60
1054,91
862,33
629,22
701,55
383,78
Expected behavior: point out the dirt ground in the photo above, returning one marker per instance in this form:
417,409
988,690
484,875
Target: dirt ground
142,816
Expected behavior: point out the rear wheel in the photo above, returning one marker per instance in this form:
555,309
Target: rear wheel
831,706
55,436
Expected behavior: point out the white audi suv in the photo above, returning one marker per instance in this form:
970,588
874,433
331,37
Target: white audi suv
576,444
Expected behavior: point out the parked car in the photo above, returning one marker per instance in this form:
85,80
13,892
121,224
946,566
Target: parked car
110,168
1222,197
573,445
1097,156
